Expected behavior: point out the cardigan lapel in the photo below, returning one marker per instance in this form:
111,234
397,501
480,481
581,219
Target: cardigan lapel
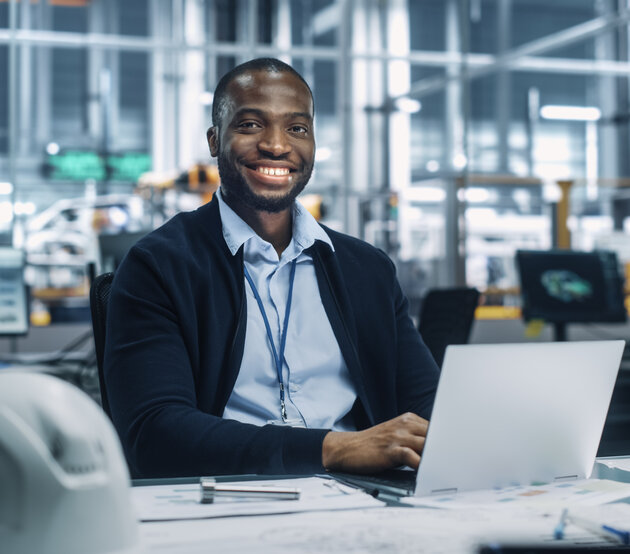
337,305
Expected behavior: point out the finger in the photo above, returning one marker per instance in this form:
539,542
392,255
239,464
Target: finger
414,443
414,425
406,456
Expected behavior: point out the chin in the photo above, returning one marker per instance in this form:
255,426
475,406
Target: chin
271,203
242,192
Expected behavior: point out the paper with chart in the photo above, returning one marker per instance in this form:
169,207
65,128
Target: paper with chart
583,492
371,531
173,502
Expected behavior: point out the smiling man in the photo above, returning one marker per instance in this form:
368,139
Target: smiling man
244,337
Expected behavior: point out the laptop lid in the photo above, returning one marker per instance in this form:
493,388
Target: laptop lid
508,414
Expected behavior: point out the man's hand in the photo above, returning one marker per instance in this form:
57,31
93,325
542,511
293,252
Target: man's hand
396,442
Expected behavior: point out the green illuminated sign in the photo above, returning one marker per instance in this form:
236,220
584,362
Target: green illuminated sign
76,165
128,166
80,165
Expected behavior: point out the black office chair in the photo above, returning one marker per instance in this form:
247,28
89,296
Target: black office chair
99,297
446,317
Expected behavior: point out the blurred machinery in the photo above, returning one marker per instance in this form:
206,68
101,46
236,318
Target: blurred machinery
169,193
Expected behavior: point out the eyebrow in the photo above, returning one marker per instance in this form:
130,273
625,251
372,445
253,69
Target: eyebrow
262,114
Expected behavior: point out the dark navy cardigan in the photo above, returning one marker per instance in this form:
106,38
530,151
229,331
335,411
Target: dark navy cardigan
175,336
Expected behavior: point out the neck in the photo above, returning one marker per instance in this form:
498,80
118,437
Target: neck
274,227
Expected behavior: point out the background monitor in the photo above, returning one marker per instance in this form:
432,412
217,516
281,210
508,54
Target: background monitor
114,247
566,286
13,293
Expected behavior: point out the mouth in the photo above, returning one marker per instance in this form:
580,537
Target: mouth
273,171
270,174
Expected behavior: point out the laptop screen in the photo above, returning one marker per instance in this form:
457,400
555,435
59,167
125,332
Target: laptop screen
517,414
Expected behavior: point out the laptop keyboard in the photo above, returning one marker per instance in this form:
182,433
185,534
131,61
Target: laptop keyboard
398,479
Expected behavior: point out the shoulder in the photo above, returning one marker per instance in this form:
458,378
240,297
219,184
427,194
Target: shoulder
355,255
185,228
184,236
349,246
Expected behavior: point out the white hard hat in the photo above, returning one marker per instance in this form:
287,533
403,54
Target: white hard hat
64,483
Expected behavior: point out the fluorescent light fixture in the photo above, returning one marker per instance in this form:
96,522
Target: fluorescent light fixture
206,98
6,212
476,195
460,161
570,113
322,154
6,188
425,194
433,166
408,105
24,208
551,192
52,148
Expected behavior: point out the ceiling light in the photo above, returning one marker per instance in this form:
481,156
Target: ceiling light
570,113
407,105
52,148
425,194
206,98
433,166
323,153
460,161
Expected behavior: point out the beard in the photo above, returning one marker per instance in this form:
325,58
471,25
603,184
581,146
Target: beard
235,187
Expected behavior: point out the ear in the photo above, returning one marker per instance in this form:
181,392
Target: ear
213,141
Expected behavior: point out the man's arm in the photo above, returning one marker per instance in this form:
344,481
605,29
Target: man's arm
398,441
151,350
393,443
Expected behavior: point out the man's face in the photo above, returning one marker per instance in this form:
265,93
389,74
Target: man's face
265,145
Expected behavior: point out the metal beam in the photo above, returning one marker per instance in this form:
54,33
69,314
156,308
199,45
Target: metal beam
13,109
418,57
59,39
560,39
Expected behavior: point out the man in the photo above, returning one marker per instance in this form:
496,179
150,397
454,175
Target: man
245,338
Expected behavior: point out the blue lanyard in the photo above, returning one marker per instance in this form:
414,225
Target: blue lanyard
277,356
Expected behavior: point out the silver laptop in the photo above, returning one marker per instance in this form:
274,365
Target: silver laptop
508,414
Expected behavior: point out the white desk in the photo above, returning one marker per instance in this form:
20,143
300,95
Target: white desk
374,529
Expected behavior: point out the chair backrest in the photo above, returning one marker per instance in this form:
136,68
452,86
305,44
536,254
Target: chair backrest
446,317
99,297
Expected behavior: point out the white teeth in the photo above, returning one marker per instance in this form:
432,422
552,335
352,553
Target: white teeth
273,171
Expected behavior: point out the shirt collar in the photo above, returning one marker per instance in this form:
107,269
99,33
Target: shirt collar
236,232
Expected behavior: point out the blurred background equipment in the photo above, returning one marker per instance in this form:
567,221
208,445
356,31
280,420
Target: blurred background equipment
446,317
114,247
14,302
63,476
567,286
168,193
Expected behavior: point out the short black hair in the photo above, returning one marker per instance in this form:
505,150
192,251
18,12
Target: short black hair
271,65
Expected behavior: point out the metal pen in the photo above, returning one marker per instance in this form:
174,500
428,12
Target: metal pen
211,490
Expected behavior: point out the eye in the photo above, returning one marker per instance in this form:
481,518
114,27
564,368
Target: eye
298,129
249,125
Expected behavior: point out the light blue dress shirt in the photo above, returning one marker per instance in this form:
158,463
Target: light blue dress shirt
318,390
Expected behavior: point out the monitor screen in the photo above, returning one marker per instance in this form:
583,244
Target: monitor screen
566,286
114,247
13,295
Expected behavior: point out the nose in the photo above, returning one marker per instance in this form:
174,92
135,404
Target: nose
273,141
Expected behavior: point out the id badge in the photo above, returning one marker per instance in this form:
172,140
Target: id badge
288,423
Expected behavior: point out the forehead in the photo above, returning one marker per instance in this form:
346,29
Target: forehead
280,92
